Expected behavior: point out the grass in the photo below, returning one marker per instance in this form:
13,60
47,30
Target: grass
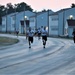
7,41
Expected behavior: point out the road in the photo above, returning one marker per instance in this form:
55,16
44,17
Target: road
58,58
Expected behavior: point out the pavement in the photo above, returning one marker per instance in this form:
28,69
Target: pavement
58,58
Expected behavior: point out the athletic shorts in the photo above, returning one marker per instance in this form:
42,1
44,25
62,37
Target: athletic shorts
30,39
39,34
44,38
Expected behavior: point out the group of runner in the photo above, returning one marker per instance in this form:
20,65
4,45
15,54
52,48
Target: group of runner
40,32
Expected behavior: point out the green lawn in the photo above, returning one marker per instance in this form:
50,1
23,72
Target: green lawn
7,41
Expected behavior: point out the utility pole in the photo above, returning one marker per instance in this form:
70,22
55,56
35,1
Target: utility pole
48,22
24,27
63,20
6,19
15,17
36,21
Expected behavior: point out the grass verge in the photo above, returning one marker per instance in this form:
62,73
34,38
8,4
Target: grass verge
4,41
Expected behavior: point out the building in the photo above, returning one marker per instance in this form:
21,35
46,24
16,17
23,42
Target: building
42,18
33,22
56,22
12,22
67,14
7,25
53,24
23,16
58,25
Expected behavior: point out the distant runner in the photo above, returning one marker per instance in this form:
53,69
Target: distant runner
30,37
44,36
39,33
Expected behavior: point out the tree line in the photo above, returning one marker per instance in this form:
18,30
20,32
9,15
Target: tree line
73,5
13,8
16,8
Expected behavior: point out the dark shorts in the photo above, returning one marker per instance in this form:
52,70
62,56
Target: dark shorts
17,32
44,38
39,34
30,39
35,33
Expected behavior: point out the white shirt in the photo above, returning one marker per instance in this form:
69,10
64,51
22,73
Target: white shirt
39,31
44,32
30,33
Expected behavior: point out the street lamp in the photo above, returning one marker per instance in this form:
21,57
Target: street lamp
6,18
47,28
26,24
25,18
71,17
71,21
15,17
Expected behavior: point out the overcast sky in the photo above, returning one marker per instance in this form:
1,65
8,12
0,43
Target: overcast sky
39,5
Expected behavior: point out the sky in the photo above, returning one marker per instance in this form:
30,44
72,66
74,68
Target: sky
39,5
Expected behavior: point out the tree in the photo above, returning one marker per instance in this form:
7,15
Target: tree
29,8
9,8
73,5
13,8
2,8
23,7
44,10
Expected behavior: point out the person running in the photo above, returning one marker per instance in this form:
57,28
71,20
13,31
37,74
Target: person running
42,28
30,37
39,33
44,36
36,32
17,32
73,35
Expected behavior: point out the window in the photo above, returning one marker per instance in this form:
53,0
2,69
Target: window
53,19
54,28
13,25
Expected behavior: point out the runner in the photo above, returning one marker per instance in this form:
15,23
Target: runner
44,36
39,33
30,37
17,32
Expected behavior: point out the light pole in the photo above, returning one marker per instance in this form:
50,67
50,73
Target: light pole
66,26
71,21
26,24
36,21
15,18
25,18
63,20
71,17
47,28
6,19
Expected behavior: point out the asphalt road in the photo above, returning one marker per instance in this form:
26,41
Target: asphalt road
58,58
